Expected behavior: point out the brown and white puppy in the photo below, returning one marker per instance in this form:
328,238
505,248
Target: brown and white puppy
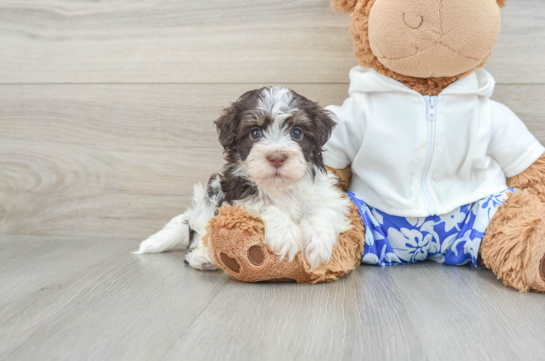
273,139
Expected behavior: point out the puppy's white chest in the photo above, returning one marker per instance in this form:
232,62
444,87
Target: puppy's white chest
286,203
290,205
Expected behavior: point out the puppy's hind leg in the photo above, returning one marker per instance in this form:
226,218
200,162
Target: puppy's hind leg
198,257
175,232
187,228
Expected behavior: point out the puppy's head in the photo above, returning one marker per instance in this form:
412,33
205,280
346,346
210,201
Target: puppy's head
274,136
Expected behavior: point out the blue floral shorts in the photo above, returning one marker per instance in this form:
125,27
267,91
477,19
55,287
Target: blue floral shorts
452,239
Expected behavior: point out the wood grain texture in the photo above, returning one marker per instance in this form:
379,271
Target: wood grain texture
109,160
66,299
120,160
214,41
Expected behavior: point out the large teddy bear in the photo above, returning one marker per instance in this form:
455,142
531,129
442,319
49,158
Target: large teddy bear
435,169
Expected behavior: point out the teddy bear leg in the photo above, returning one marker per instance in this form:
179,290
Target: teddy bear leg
514,244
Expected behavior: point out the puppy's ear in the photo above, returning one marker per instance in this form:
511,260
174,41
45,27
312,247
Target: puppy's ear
226,126
227,123
346,6
324,125
501,3
322,120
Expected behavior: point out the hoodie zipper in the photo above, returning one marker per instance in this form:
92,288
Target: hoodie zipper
432,128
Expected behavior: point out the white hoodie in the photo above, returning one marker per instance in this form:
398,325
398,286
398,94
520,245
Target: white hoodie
417,156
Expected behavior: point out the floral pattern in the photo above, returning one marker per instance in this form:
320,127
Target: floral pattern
454,238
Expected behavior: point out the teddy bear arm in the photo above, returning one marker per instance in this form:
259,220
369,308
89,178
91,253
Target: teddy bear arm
344,177
532,179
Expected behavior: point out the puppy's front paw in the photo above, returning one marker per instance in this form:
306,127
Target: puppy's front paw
317,254
284,239
319,243
199,259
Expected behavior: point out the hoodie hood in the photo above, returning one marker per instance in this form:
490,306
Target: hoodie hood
363,80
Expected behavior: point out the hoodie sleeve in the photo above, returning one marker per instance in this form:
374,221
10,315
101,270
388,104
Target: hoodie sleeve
346,140
512,145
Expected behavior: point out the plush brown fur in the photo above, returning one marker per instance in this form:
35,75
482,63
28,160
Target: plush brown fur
236,244
533,178
514,243
344,177
344,6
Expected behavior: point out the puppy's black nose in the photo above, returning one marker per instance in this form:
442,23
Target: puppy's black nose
277,160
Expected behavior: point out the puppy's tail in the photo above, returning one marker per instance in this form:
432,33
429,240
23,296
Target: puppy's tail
175,232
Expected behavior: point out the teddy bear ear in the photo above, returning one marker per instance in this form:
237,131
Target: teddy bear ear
501,3
347,6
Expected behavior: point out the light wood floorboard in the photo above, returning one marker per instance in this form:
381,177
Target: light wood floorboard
67,299
214,41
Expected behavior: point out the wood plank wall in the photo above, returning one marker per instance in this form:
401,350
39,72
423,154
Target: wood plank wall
106,107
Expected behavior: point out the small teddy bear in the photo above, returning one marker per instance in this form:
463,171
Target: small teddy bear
435,168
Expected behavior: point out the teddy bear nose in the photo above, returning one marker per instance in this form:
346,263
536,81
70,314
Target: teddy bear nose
277,160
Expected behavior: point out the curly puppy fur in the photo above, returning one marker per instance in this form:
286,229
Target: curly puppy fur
359,29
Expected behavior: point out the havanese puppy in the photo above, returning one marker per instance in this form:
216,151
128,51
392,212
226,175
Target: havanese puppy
272,139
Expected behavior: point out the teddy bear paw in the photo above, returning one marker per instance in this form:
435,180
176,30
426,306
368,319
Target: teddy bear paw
536,280
255,256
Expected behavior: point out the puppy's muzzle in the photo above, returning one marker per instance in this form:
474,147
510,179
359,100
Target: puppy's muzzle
277,160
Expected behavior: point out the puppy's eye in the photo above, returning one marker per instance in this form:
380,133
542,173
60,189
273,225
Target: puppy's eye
296,133
256,134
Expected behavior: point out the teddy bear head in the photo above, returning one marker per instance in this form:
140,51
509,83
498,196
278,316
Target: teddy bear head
425,44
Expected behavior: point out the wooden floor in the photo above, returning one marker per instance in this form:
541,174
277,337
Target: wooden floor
89,299
106,111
